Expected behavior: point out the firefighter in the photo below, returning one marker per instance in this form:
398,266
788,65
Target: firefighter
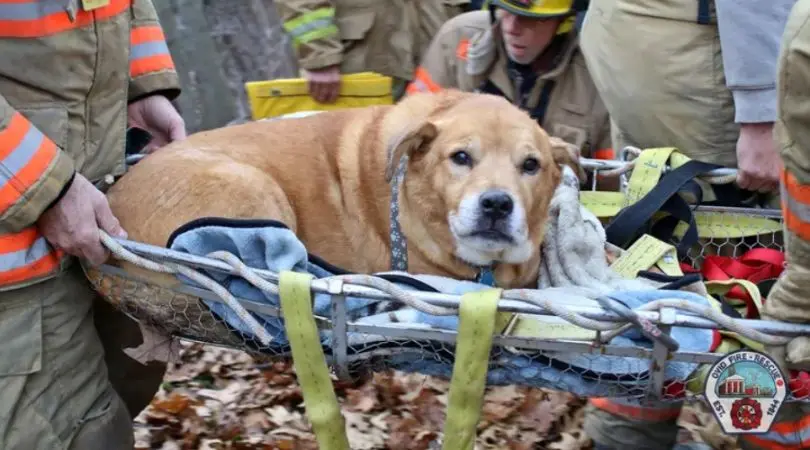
334,37
788,300
528,52
73,75
699,76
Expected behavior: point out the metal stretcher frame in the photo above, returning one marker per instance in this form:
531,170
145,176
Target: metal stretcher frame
341,359
659,356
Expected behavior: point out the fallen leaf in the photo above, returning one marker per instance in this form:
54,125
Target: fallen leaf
220,399
175,404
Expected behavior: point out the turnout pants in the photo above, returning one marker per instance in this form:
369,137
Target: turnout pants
64,382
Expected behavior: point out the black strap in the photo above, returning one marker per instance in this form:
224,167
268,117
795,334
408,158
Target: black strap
679,211
704,15
539,111
488,87
765,287
625,227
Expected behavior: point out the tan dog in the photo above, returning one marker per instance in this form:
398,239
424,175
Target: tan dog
480,176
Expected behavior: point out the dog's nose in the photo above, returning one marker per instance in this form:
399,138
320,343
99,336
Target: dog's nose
496,204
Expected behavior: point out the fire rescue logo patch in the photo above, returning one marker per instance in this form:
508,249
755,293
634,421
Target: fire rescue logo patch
745,390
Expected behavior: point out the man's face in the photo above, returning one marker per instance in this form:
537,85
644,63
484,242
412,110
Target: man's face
525,38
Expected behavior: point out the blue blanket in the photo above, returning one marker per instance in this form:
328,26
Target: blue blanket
275,248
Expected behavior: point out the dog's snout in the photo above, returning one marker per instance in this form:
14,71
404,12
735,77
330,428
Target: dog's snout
496,204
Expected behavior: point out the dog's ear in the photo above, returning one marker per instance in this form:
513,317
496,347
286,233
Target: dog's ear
407,143
567,154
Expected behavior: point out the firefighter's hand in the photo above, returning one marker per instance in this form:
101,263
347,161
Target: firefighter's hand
324,84
157,115
72,224
758,161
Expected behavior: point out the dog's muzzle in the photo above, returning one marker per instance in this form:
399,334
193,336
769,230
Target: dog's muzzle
495,210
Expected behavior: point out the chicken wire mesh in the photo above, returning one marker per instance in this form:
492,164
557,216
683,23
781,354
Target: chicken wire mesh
583,367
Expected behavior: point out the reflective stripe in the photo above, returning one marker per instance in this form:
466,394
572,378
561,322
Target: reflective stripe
651,414
462,49
604,153
26,255
795,205
148,51
26,154
14,260
784,436
313,25
35,18
28,10
422,82
416,86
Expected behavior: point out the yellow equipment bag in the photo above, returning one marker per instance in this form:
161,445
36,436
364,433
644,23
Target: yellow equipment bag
273,98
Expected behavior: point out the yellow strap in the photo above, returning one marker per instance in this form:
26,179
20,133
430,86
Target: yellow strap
721,287
645,253
546,327
645,176
477,317
320,402
729,225
647,171
602,204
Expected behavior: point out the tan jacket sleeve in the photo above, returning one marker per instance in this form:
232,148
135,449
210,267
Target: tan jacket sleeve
789,300
33,170
151,68
438,67
311,26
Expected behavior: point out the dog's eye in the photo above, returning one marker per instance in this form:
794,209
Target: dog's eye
461,158
530,165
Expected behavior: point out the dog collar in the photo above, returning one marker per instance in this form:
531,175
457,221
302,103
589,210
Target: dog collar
399,245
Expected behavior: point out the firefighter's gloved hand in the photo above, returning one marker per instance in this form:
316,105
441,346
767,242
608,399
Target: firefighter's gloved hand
797,353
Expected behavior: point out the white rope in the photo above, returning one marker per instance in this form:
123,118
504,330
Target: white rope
537,298
171,268
630,155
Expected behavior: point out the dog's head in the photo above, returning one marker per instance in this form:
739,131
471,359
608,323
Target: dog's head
482,169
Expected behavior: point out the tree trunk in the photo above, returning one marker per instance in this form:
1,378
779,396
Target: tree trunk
217,46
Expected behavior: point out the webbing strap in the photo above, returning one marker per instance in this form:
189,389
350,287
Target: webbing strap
309,362
645,253
477,314
630,220
539,111
722,288
703,16
679,211
649,168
